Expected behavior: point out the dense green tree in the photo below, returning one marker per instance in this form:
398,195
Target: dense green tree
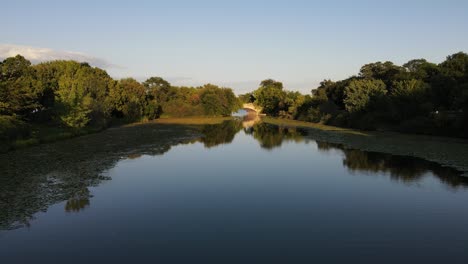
384,71
271,83
418,97
159,89
334,91
218,101
452,82
410,98
73,92
271,97
421,69
360,93
156,83
456,66
128,99
18,93
292,101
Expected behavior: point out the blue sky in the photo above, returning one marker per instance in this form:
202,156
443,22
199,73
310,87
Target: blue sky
235,43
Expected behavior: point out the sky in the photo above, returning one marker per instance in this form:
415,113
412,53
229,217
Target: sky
234,43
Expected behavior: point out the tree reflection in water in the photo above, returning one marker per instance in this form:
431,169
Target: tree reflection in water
224,133
272,136
400,168
79,201
33,179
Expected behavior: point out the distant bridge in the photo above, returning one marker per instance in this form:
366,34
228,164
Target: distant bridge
252,107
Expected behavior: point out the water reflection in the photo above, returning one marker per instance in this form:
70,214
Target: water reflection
214,135
250,119
78,202
33,179
400,168
271,136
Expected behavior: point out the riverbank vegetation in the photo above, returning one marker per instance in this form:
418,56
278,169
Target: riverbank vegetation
61,99
418,97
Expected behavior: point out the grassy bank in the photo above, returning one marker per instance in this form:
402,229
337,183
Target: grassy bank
450,152
45,134
197,120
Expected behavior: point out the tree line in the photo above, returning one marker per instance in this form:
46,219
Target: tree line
75,96
417,97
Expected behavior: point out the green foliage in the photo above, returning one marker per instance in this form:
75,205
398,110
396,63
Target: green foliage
157,83
292,102
334,91
76,97
152,110
421,69
271,97
452,82
128,99
159,89
419,97
271,83
18,95
73,93
218,101
360,93
175,101
410,98
387,72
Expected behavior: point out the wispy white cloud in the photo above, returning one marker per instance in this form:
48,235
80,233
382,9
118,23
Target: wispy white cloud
37,55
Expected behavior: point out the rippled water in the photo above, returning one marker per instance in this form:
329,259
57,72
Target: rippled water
261,194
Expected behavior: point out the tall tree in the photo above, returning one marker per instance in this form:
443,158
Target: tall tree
159,89
18,94
271,97
360,93
128,99
385,71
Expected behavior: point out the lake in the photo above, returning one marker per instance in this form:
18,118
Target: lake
226,193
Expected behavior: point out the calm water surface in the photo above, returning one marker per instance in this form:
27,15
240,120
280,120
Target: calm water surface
238,195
